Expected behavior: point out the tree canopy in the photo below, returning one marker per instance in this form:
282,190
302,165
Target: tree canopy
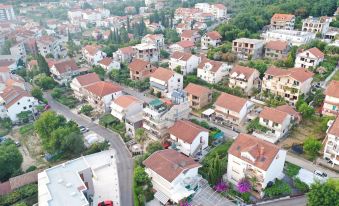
324,194
10,160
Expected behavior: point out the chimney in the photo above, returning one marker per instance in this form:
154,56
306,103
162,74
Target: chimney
261,151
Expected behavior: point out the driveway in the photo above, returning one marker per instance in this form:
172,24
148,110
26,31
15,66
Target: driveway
124,160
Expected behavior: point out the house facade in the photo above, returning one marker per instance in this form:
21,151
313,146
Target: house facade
140,69
246,48
63,71
146,52
93,54
276,49
125,106
331,102
79,82
213,71
166,82
245,78
283,21
198,96
185,61
331,142
309,58
294,37
211,39
317,24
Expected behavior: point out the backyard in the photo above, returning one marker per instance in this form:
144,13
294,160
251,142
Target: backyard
335,76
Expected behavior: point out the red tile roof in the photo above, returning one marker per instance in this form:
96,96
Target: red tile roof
290,110
277,45
186,130
282,17
263,152
273,115
334,129
127,50
333,89
66,66
138,65
181,55
106,61
299,74
197,90
102,88
214,35
162,74
87,79
92,49
231,102
215,64
169,164
12,94
246,71
189,33
316,52
126,100
185,44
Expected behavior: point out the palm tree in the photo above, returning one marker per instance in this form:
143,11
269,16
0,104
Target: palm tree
141,137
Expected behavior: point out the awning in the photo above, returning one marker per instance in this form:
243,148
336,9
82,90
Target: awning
208,112
161,197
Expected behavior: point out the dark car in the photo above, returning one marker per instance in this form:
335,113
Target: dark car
106,203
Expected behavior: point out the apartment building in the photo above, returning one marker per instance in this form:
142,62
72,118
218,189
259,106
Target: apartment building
146,52
248,48
211,39
198,96
253,158
331,102
317,24
156,39
166,82
213,71
331,149
7,12
48,45
124,55
276,49
174,175
185,61
160,115
140,69
190,35
309,58
63,71
219,11
287,83
245,78
230,109
188,138
293,37
79,82
126,105
283,21
19,50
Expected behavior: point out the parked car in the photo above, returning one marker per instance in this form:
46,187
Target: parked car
47,107
2,139
17,143
83,129
320,174
106,203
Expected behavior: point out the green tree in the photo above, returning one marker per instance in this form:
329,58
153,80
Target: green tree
37,93
306,110
164,54
45,82
57,93
42,64
153,147
142,186
10,160
216,170
312,147
324,194
24,116
141,137
86,109
99,71
6,47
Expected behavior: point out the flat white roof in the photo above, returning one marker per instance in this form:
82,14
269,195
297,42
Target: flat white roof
144,46
62,185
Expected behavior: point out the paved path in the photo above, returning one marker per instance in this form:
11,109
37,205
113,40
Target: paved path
296,201
137,94
124,160
309,165
324,83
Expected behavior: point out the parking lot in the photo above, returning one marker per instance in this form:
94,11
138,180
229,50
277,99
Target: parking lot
206,196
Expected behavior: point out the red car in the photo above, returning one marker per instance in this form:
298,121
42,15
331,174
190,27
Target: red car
106,203
47,107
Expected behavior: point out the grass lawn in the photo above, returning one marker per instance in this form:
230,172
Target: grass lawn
336,76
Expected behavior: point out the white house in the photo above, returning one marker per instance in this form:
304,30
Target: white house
185,61
190,35
93,54
124,55
109,64
331,102
182,46
245,78
309,58
156,39
166,81
332,142
231,109
174,175
294,37
125,106
213,71
79,82
146,52
48,45
253,158
211,39
188,137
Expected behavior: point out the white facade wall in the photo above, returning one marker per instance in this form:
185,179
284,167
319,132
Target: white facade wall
187,67
306,61
121,113
187,148
24,104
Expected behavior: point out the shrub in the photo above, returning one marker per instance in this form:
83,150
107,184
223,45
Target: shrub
244,186
86,109
19,194
31,168
279,188
312,147
291,169
300,185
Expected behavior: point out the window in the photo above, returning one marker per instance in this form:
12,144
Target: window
18,103
25,108
30,106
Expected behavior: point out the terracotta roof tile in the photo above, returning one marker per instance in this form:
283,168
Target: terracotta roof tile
273,115
216,65
231,102
106,61
214,35
162,74
186,130
87,79
197,90
189,33
246,71
185,44
126,100
334,129
282,17
169,163
181,55
66,66
102,88
127,50
12,94
277,45
263,152
333,89
299,74
290,110
316,52
92,49
138,65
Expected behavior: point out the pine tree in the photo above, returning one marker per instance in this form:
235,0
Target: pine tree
42,64
128,25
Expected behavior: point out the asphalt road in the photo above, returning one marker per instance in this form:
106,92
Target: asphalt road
297,201
124,160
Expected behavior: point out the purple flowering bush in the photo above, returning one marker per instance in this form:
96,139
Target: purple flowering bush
184,203
244,186
221,187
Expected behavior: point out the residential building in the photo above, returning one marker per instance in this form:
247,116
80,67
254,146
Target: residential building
232,110
190,35
156,39
174,175
146,52
63,71
87,180
317,24
7,12
331,102
124,55
182,46
48,45
248,48
166,82
80,82
276,49
276,122
245,78
294,37
19,50
186,62
309,58
132,123
125,106
283,21
219,11
188,138
158,115
140,69
100,95
213,71
287,83
331,149
198,96
93,54
14,100
109,64
211,39
253,158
